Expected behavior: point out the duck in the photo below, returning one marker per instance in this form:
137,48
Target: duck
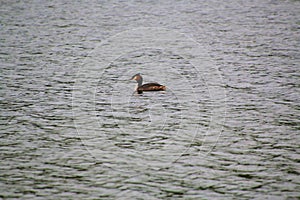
140,88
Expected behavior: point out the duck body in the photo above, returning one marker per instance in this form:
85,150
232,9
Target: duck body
148,86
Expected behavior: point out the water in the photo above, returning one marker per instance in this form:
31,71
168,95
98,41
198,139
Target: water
226,128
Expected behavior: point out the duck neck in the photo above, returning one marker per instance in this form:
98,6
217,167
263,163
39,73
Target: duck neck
139,81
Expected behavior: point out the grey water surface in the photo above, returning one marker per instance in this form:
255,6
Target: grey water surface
73,128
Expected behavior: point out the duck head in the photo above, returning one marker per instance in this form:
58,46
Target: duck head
138,78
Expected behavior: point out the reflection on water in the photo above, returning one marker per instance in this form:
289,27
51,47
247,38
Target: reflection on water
149,146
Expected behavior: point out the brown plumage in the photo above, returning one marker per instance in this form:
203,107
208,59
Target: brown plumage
148,86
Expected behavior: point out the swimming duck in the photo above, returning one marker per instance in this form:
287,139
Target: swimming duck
146,87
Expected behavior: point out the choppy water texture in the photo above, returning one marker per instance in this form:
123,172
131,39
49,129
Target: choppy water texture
58,144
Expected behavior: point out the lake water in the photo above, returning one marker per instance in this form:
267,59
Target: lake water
227,127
